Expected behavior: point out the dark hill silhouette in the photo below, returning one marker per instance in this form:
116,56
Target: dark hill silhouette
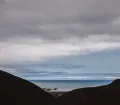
102,95
16,91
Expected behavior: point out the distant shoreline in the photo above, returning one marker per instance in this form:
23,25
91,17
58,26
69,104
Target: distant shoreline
68,85
57,93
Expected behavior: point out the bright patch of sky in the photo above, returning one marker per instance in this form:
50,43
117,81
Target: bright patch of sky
99,65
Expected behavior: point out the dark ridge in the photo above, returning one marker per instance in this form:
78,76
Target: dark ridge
116,83
17,91
102,95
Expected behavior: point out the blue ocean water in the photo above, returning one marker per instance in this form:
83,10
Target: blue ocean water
63,79
67,85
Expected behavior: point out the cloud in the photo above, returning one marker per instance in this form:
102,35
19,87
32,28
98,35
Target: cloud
36,50
61,18
36,30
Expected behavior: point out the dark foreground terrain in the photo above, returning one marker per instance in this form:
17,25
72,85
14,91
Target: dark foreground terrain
16,91
102,95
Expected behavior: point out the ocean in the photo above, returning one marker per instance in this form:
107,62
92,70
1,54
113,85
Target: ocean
64,79
67,85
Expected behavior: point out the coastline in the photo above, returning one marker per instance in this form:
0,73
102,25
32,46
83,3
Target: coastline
57,93
63,86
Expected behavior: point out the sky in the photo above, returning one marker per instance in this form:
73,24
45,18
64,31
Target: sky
62,38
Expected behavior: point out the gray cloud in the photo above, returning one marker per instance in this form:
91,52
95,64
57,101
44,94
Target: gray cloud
50,19
2,2
36,29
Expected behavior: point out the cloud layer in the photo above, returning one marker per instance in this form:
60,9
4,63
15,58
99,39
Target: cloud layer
35,30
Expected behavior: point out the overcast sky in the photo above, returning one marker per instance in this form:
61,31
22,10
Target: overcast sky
35,31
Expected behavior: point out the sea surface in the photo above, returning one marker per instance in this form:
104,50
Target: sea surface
67,85
63,79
